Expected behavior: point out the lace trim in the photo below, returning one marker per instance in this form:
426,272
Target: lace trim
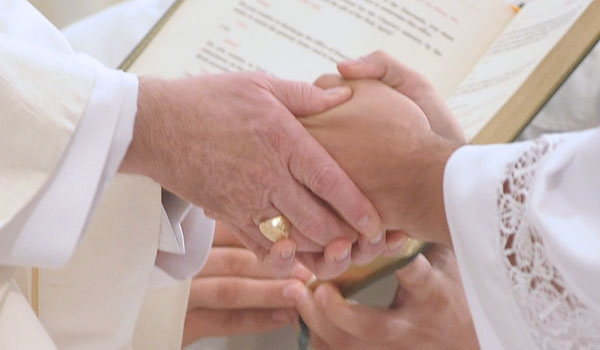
557,319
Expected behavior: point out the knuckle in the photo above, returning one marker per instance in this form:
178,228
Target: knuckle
233,320
324,180
312,227
277,135
235,266
298,94
261,79
421,85
227,294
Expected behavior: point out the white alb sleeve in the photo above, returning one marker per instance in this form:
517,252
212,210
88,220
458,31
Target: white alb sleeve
109,36
64,138
526,231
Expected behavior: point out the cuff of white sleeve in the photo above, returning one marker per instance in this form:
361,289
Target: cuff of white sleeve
174,210
52,227
198,232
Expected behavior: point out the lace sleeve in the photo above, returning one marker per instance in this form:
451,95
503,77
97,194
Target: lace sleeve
556,317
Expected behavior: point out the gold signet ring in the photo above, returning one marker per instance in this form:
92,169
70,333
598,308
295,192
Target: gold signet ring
276,228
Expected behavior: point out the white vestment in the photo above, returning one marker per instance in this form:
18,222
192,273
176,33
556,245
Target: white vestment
66,122
525,225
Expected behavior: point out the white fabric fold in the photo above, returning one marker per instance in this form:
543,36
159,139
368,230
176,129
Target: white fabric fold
41,232
525,230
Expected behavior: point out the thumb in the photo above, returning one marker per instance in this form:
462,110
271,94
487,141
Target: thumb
417,278
401,78
303,99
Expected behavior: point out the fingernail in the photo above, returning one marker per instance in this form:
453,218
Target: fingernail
352,62
287,253
312,280
343,255
368,226
397,244
294,292
338,90
377,239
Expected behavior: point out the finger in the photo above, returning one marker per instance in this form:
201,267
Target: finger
313,167
417,279
328,81
373,66
313,315
364,251
201,323
253,240
305,99
347,343
238,262
297,216
318,343
380,65
366,323
440,256
224,237
332,262
238,293
395,242
281,258
280,261
305,239
302,273
310,218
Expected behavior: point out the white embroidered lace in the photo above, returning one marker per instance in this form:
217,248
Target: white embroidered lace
557,319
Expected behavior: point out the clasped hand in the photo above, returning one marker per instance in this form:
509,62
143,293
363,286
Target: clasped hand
231,144
393,138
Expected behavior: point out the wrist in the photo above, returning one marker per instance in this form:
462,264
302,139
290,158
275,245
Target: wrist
421,209
434,223
143,153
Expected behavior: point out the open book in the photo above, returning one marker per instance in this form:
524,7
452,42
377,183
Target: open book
495,63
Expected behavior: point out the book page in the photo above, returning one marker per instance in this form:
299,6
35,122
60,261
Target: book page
511,59
302,39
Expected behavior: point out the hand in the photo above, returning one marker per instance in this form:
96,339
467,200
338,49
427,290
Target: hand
234,294
391,146
230,144
381,66
429,311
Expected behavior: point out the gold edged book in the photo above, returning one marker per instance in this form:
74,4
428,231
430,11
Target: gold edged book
495,64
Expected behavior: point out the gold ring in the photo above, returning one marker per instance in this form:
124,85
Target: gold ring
276,228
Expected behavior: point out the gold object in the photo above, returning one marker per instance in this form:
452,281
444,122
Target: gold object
358,277
276,228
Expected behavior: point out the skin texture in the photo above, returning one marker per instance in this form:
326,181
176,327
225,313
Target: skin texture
234,293
384,141
231,144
